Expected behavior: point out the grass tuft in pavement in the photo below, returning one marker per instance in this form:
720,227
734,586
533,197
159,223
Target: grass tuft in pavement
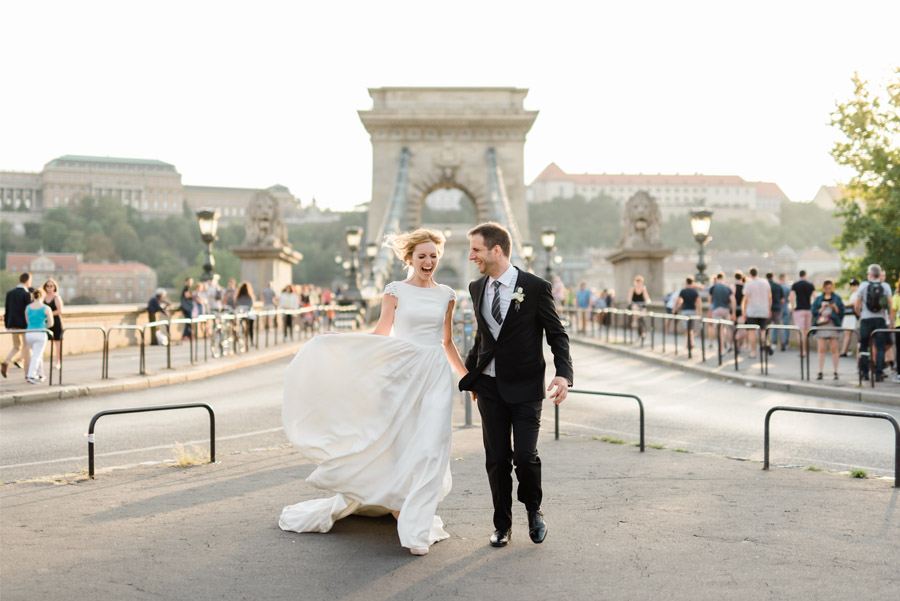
812,468
681,450
609,439
858,473
186,457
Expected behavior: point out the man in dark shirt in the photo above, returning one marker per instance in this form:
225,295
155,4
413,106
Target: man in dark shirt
157,309
722,306
14,319
801,300
688,304
777,303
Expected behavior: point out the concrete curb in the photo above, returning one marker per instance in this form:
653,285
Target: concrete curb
806,388
52,393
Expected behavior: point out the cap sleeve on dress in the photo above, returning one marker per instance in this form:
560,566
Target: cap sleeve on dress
451,292
392,289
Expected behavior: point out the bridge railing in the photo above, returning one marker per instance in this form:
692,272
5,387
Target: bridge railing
306,321
661,331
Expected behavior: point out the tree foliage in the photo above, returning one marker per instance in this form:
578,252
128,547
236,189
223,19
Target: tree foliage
580,223
870,145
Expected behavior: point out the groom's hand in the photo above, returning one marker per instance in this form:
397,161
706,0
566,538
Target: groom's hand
562,390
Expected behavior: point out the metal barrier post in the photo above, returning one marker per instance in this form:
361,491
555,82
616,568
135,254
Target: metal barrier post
719,340
675,331
869,414
102,331
652,331
702,341
106,350
169,346
212,427
611,394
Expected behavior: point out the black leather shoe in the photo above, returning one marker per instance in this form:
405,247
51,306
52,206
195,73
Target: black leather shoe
537,529
500,538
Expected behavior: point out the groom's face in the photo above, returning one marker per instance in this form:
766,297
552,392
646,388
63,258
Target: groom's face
484,258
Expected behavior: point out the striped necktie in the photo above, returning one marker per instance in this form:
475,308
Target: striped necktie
495,303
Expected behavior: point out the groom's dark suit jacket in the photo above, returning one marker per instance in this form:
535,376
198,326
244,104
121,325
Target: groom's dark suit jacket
518,351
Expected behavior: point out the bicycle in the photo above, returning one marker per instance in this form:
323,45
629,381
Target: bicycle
227,339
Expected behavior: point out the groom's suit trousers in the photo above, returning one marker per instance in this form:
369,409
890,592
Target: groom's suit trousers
510,433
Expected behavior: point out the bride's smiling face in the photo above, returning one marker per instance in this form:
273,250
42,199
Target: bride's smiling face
425,260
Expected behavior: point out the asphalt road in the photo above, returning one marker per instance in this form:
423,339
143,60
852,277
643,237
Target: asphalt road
684,411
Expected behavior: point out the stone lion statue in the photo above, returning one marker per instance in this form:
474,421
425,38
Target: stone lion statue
641,222
264,225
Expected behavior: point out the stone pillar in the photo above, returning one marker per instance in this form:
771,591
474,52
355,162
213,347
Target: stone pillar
259,266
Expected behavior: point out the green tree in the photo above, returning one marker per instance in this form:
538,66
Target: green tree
580,223
870,130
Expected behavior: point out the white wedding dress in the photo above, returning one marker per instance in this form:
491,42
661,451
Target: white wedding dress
374,412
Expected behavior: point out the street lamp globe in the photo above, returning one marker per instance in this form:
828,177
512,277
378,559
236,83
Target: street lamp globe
558,259
527,251
208,219
371,250
700,222
548,238
701,219
209,223
447,233
354,238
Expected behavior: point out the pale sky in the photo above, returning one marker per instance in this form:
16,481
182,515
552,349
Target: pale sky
256,93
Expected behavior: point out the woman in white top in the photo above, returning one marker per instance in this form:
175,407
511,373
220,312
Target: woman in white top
374,411
289,300
850,321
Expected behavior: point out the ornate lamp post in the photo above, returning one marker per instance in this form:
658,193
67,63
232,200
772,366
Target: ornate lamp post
371,253
548,241
209,223
353,237
701,220
528,255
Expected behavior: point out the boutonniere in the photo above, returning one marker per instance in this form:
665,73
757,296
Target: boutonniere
519,297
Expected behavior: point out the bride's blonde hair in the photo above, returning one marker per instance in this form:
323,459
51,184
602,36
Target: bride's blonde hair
404,244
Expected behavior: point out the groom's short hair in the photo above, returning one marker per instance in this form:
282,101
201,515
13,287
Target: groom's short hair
494,234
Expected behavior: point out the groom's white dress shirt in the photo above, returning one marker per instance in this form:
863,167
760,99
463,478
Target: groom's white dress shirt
507,280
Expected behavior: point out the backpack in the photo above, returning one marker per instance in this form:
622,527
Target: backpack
876,299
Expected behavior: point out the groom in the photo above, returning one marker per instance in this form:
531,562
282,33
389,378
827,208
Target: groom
506,374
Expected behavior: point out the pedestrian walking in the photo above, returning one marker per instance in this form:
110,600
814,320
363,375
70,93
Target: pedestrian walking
828,312
244,301
582,306
14,319
38,317
53,300
872,307
157,308
757,306
778,300
187,307
689,304
722,305
785,317
739,335
895,319
801,303
850,323
289,300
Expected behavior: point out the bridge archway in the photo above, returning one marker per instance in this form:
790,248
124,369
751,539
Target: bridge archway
429,139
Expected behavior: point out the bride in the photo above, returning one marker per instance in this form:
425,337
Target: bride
374,412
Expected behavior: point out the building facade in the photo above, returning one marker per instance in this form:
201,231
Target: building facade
153,188
101,282
730,196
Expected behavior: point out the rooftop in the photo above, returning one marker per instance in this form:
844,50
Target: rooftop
69,159
554,173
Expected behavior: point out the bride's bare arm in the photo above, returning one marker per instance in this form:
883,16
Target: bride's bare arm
453,355
386,320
